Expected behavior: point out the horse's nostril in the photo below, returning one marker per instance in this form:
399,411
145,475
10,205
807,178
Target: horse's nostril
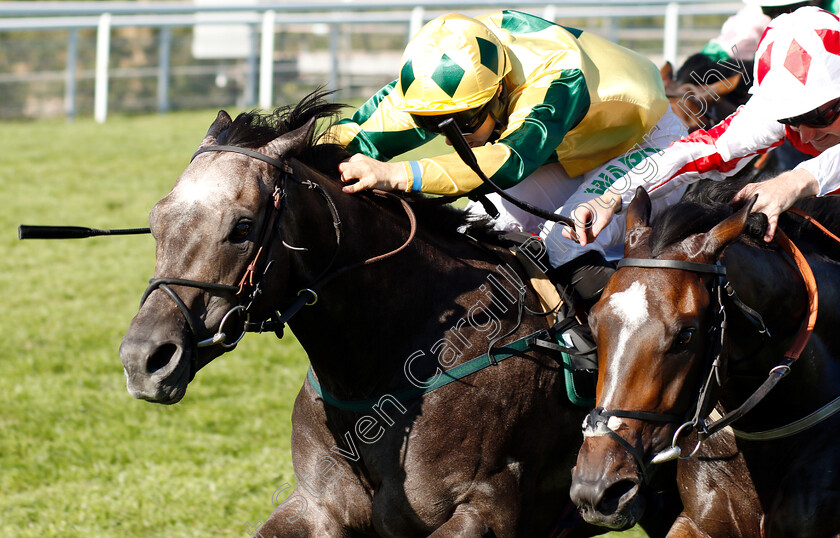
611,501
161,357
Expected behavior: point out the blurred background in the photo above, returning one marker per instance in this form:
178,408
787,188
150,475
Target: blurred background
101,106
59,58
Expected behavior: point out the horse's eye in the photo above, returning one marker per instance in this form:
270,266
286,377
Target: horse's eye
240,231
683,338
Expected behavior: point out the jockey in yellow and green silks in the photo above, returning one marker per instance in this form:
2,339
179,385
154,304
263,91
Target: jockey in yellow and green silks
560,86
550,112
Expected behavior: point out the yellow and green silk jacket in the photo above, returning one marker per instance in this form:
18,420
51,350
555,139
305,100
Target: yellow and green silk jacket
574,98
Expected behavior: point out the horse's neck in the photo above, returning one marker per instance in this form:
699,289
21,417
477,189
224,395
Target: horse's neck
766,282
370,321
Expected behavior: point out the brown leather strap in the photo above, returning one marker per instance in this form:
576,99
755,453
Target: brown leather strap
267,236
411,233
810,286
809,218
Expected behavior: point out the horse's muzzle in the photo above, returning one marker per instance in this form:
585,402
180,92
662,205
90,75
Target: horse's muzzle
156,370
607,487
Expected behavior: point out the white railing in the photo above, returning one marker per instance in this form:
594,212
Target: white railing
266,18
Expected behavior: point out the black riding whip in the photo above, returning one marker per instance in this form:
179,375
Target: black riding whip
71,232
447,126
453,134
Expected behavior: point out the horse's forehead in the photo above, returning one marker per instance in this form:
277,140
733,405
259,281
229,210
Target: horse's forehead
651,296
631,305
211,185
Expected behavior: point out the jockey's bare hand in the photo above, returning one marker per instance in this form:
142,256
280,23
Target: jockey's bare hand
776,195
593,216
372,174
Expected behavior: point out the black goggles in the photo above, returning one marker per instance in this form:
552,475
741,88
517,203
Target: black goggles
816,119
468,121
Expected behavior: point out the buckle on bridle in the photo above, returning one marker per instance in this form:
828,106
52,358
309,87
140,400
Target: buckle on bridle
312,293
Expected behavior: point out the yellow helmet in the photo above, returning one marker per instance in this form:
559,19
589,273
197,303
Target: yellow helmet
454,63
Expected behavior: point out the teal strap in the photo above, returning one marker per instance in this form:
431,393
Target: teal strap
571,389
794,427
446,377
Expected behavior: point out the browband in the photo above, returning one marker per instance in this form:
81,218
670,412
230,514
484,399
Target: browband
714,269
281,165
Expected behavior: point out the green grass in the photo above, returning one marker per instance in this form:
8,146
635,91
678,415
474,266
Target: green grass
78,455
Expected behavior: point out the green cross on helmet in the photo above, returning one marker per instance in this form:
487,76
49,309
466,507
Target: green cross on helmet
454,63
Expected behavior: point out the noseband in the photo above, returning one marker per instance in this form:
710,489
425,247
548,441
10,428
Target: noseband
290,168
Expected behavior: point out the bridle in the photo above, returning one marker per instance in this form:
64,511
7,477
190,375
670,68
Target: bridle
248,290
598,417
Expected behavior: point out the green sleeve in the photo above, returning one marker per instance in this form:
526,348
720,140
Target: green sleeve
381,131
534,141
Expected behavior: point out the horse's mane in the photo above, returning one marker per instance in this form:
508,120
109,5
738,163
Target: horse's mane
709,203
253,129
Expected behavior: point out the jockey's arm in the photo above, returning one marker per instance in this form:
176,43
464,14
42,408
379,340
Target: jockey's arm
819,176
825,168
717,153
546,110
374,134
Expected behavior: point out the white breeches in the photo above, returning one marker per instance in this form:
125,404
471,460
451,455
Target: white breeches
550,188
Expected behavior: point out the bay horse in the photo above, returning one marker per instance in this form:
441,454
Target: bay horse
673,341
703,92
381,311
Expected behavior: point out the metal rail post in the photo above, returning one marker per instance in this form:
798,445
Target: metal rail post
103,51
70,74
550,13
418,14
267,60
164,55
672,28
334,36
249,97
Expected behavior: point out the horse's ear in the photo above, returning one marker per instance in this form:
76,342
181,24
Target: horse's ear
293,142
221,123
667,72
712,243
726,86
638,216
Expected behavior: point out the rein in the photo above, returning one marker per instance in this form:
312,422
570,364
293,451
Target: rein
720,285
306,296
792,354
444,377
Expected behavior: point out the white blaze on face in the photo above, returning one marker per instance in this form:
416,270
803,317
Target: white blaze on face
631,308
